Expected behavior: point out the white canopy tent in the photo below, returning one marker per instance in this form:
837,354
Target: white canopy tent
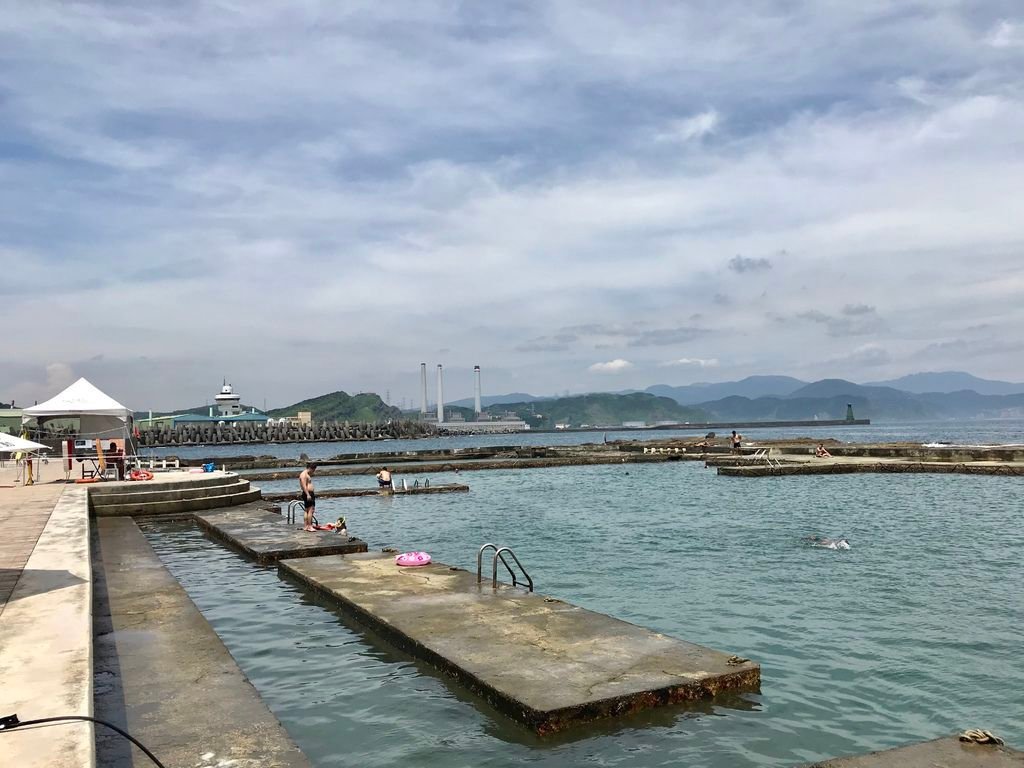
100,416
12,444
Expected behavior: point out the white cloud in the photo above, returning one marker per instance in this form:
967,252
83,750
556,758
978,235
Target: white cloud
690,362
1006,34
690,128
343,188
612,366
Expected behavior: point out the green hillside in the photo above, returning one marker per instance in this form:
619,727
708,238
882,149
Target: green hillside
599,410
341,406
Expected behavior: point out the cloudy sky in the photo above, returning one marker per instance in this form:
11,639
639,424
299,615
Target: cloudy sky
308,196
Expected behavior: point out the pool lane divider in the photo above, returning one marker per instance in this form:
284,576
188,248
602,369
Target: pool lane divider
546,663
266,537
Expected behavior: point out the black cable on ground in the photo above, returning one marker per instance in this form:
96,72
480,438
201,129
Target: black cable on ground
11,722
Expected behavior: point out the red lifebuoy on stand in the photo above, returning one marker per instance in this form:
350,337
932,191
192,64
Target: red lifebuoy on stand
141,474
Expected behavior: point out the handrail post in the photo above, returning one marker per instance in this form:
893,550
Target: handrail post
480,560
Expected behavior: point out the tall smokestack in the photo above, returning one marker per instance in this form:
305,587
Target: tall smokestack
423,389
476,389
440,395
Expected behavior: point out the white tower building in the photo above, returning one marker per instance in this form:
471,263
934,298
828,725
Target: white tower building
228,403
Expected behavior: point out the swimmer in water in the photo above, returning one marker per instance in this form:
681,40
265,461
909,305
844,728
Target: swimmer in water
822,541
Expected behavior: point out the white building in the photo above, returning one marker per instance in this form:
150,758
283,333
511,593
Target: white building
228,403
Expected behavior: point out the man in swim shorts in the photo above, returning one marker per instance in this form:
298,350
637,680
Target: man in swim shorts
736,441
384,479
308,495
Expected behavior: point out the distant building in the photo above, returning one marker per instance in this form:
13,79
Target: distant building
634,424
228,403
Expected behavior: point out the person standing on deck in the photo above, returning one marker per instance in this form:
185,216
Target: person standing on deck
308,495
737,440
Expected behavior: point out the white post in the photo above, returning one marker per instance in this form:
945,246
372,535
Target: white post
423,389
440,395
476,390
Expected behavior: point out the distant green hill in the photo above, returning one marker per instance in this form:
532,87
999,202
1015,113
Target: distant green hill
598,410
341,406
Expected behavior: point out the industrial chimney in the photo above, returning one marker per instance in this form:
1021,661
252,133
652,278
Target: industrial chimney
476,390
440,395
423,389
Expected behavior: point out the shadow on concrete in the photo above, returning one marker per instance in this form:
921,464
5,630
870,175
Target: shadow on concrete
33,581
112,750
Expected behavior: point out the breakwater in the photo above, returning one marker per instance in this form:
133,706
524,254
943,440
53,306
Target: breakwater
257,432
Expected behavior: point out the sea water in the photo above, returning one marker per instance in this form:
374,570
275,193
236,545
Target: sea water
915,632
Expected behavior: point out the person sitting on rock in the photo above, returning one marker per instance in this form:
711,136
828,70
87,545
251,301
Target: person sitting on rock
821,452
384,479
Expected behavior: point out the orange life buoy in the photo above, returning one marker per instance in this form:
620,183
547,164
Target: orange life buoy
141,474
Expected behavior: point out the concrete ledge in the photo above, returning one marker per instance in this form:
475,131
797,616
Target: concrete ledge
267,538
46,644
181,493
162,481
130,508
340,493
949,752
829,467
164,675
543,662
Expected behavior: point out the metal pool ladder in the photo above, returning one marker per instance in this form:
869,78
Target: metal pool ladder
292,506
499,554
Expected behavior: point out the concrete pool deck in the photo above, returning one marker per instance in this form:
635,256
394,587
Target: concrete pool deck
45,624
267,537
538,660
947,752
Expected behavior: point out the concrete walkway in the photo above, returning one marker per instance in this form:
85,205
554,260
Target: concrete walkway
24,513
940,753
45,626
164,675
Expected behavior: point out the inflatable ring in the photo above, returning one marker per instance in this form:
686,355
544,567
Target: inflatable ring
412,559
141,474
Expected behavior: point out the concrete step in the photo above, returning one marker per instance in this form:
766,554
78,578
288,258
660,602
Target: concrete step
178,491
176,506
158,483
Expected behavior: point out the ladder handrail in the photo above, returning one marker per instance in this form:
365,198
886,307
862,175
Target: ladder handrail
494,568
291,508
480,560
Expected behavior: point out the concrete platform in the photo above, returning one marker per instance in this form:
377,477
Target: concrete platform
164,675
949,752
543,662
339,493
45,629
267,537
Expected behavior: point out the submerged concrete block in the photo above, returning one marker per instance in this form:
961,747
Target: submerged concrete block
266,537
541,661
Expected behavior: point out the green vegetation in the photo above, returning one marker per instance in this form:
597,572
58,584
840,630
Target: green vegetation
340,406
598,410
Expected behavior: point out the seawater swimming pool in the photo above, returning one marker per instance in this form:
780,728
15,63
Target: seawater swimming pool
913,633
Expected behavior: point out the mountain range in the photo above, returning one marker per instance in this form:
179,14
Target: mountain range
949,394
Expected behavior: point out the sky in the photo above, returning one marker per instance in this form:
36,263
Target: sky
577,196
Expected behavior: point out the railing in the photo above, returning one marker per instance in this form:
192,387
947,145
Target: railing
292,505
499,554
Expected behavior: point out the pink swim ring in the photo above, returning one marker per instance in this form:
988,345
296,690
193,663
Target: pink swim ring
409,559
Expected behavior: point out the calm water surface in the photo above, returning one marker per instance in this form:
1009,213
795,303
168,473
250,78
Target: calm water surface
914,633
